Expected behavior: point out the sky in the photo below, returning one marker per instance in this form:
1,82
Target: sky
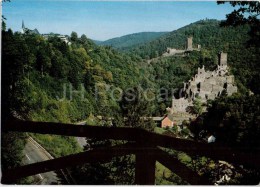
102,20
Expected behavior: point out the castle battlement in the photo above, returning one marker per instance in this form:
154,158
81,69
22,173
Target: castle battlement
206,85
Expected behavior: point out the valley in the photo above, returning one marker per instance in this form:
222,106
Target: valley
197,85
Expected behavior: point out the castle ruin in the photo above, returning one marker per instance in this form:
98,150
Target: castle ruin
189,44
189,47
206,85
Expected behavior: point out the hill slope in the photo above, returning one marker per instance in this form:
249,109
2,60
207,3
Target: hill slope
124,42
208,33
242,59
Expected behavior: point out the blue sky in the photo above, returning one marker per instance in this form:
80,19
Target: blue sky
103,20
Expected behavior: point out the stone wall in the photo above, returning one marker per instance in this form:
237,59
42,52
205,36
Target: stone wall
222,59
189,47
206,85
172,51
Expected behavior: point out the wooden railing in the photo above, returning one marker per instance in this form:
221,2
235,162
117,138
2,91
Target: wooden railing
143,144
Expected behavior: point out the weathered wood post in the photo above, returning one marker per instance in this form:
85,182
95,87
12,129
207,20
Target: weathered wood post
145,166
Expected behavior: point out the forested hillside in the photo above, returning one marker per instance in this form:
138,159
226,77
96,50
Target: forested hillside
49,80
207,33
242,58
44,67
129,41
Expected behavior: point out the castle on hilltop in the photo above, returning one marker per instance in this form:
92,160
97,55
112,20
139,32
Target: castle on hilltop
206,85
189,47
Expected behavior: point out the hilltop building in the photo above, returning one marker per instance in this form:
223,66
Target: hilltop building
210,84
189,47
63,38
206,85
28,31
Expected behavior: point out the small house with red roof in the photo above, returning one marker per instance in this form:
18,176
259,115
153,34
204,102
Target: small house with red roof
167,122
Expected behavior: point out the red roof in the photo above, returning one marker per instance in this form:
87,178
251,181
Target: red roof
166,122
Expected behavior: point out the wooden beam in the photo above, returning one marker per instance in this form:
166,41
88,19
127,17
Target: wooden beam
97,132
145,167
239,156
180,169
92,156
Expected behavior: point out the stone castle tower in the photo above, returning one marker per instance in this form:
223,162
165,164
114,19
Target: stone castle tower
222,59
189,43
206,85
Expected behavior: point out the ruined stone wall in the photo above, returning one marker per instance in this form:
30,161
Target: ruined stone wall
207,85
172,51
180,52
180,105
223,59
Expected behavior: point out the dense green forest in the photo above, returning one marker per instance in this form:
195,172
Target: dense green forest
242,58
129,41
49,80
37,71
